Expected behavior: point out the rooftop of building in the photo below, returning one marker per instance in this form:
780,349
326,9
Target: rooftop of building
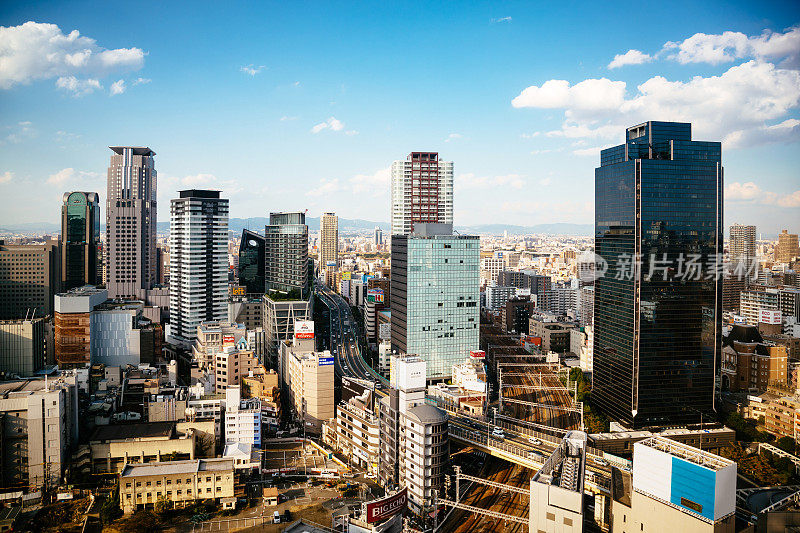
427,414
143,430
137,150
82,292
165,468
26,387
686,452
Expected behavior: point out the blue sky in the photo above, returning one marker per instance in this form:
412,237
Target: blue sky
291,106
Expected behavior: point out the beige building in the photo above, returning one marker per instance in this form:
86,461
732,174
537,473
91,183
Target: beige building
307,377
113,447
30,276
23,346
178,482
328,239
266,387
787,248
38,427
232,364
782,417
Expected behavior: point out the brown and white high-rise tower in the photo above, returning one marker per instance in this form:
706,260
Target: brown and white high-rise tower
328,240
131,222
422,191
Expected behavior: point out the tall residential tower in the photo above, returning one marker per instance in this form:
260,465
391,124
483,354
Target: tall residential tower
422,191
328,240
131,222
658,197
198,262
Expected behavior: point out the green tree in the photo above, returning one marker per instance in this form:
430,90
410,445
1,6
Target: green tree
109,508
787,444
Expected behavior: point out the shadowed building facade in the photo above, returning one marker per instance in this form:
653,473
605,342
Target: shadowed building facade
658,197
80,240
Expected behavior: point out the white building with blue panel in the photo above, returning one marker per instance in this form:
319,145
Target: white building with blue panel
677,487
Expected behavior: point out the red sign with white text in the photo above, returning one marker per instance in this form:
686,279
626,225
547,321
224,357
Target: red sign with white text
387,507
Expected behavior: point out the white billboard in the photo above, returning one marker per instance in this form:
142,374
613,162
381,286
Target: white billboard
304,329
770,316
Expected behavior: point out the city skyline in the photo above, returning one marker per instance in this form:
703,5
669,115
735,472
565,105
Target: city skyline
266,100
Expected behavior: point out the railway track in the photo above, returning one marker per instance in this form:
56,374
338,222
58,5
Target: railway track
500,471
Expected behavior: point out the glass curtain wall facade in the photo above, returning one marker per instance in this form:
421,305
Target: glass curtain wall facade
435,299
658,198
80,240
251,262
286,272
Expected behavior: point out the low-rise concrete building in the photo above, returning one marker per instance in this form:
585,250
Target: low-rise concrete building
23,346
178,482
113,447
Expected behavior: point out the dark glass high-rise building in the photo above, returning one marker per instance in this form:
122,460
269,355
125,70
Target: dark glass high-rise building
286,269
252,249
657,334
80,240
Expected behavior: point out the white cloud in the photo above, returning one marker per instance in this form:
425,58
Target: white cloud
35,51
729,45
118,87
502,19
252,70
141,81
453,136
194,180
6,176
591,94
786,131
375,184
325,187
19,132
471,181
351,132
746,99
70,175
530,135
331,124
631,57
752,193
78,87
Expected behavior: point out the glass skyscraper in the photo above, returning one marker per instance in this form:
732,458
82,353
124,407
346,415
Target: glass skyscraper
658,198
251,262
435,296
286,271
81,259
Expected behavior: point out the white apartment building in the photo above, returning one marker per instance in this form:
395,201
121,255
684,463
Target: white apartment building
491,268
242,418
202,405
497,296
414,446
422,191
198,263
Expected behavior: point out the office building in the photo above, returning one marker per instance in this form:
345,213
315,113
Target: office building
38,428
657,329
131,206
674,487
787,249
422,191
586,307
555,335
180,483
198,262
516,314
491,268
266,386
212,338
378,237
435,296
287,274
242,418
557,500
414,446
280,320
30,276
755,304
782,417
357,427
252,250
23,346
328,240
81,255
232,364
307,377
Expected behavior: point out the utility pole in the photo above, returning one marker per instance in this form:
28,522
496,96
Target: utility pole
458,483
